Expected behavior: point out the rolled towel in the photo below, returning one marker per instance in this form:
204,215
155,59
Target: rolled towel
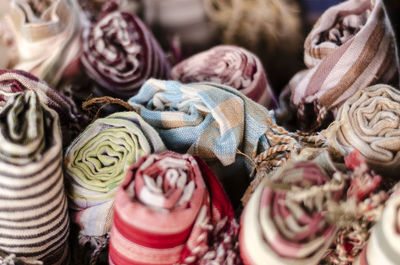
283,222
369,122
47,35
350,47
34,222
96,163
171,209
120,54
228,65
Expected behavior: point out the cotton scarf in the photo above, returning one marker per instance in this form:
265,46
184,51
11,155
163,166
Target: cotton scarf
369,122
171,209
47,35
350,47
228,65
120,53
96,163
283,222
34,220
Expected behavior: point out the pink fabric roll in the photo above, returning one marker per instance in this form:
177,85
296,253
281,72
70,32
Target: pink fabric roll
120,53
228,65
171,209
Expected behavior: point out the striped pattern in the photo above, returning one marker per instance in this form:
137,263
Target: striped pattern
96,163
285,225
368,121
47,35
120,53
231,66
349,48
384,244
171,209
34,219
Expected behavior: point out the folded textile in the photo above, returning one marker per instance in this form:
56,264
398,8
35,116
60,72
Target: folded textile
284,221
383,245
369,122
14,81
34,220
120,53
350,47
47,35
96,163
185,19
228,65
171,209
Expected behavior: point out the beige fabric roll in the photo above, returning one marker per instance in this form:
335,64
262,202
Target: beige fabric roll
370,122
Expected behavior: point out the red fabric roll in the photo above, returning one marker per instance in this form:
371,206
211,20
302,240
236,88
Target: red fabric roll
172,209
120,53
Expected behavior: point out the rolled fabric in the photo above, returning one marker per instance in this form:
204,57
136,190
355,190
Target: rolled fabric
96,163
47,35
287,225
228,65
14,81
384,244
350,47
369,122
34,222
120,53
171,209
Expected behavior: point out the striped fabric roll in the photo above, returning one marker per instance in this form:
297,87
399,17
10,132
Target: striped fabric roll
171,209
120,54
96,163
384,244
14,81
350,47
369,122
284,222
47,34
34,222
228,65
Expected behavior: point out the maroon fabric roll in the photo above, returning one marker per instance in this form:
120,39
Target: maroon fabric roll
228,65
120,53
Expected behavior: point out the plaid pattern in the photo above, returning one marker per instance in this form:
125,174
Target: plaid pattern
350,47
231,66
120,53
96,163
209,120
171,209
34,218
47,35
368,122
283,222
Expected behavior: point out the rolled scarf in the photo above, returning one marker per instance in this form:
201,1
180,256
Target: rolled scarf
171,209
96,163
120,54
14,81
384,244
284,222
350,47
231,66
47,35
369,122
185,19
34,221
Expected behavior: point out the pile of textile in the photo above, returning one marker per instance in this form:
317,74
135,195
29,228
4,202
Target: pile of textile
189,132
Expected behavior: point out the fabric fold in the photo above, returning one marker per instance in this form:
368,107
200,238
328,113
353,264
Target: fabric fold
96,163
369,121
228,65
120,54
34,222
350,47
171,209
